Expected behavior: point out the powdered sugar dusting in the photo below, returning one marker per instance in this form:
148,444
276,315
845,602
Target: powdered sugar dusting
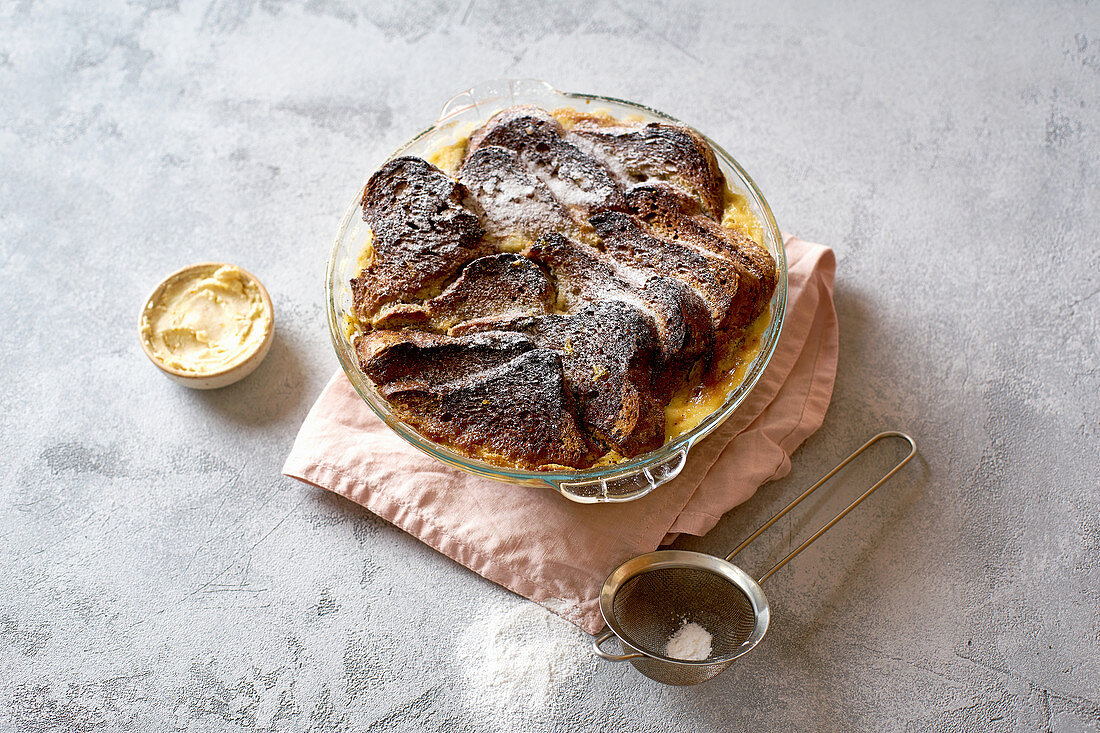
691,642
523,663
577,190
514,201
617,167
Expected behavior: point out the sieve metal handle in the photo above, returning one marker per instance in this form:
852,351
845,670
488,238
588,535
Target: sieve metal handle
611,657
815,487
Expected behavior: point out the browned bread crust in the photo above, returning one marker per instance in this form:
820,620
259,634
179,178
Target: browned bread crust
656,150
396,360
513,200
607,354
680,317
714,279
422,233
672,215
574,177
489,395
494,287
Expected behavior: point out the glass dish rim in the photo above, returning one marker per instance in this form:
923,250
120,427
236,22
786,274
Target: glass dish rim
683,443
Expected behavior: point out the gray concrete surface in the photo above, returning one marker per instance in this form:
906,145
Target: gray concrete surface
156,571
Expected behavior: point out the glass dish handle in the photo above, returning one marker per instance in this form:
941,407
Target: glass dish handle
626,486
501,91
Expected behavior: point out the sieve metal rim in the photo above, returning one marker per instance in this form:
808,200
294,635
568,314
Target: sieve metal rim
667,559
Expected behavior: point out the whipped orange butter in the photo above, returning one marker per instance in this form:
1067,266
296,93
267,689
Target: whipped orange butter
205,320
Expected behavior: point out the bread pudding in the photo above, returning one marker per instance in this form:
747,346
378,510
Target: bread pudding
558,290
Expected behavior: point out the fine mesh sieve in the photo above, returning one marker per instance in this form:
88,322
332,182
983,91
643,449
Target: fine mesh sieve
649,598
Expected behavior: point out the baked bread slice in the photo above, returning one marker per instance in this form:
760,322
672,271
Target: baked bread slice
513,200
606,351
673,215
575,178
422,233
714,278
659,151
497,286
680,317
396,360
492,396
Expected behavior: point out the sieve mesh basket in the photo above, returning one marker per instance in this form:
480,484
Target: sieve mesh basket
652,605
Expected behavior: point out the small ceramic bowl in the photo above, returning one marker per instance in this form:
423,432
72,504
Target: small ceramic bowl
218,377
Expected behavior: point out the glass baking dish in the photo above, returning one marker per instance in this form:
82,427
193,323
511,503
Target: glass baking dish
625,481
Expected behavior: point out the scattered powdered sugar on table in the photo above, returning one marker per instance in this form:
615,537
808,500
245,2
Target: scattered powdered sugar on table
523,664
691,642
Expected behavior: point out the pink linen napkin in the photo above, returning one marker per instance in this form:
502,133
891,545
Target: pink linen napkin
535,541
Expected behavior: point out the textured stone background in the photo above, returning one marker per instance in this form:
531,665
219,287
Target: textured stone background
156,571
